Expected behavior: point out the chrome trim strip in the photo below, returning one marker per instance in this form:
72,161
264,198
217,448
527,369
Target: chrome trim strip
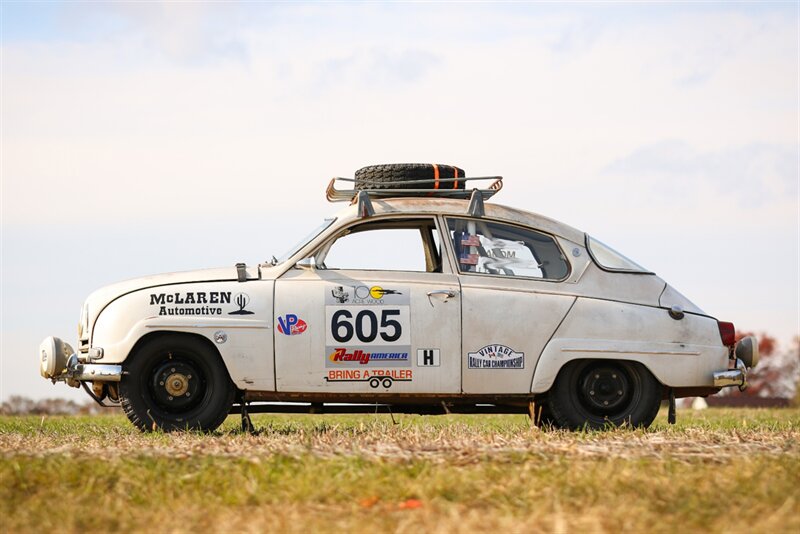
655,352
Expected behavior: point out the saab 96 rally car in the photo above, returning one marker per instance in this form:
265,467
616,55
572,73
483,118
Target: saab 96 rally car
482,308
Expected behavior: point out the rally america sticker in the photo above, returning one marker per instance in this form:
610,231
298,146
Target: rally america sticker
496,357
364,356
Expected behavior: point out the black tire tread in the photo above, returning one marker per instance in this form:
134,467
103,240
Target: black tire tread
560,400
142,419
386,176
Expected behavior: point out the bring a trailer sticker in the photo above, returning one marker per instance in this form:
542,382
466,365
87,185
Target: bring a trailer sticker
374,377
368,325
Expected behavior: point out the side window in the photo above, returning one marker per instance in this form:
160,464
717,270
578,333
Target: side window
503,249
404,245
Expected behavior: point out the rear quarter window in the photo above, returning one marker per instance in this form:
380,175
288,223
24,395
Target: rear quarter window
609,259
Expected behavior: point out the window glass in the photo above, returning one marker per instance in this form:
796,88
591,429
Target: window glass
398,247
321,228
502,249
609,258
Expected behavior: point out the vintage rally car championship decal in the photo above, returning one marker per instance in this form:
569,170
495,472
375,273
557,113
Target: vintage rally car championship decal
367,326
496,357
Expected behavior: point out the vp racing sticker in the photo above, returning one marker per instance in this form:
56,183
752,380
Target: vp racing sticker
291,325
496,357
367,325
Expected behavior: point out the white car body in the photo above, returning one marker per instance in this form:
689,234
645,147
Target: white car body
455,337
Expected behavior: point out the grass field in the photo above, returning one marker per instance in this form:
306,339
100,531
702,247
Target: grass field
716,470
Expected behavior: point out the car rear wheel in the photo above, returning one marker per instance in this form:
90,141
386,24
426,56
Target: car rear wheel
543,415
600,393
176,382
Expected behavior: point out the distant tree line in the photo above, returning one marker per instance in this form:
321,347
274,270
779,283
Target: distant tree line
19,405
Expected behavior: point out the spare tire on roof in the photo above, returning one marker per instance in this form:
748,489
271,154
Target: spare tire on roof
409,176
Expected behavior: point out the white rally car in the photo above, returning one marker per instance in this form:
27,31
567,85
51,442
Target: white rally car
418,298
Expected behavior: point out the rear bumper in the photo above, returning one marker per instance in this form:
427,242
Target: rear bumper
732,377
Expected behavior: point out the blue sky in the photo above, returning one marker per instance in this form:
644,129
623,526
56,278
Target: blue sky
152,137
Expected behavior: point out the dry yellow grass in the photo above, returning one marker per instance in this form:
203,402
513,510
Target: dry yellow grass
715,471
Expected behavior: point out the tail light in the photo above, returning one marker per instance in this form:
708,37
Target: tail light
728,333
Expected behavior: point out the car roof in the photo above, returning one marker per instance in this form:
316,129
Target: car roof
455,207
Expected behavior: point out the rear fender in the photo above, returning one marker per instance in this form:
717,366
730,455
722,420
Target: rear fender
679,353
673,364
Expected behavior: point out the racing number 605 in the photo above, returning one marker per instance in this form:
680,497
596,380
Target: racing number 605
365,326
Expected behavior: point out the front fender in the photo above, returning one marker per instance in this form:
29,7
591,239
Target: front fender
241,334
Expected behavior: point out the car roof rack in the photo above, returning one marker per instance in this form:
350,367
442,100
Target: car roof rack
363,197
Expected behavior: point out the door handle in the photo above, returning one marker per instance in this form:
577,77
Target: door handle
447,293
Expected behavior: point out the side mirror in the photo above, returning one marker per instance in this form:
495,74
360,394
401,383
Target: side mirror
307,263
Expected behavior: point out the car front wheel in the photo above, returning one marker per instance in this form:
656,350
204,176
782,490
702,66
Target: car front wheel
176,382
599,393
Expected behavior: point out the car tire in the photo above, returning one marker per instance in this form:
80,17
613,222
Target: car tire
543,418
176,382
418,176
601,393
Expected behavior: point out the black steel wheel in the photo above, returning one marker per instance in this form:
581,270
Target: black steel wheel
601,393
176,382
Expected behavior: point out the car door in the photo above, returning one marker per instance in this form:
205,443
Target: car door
510,303
379,312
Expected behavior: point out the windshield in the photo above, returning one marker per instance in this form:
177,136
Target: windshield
611,260
318,230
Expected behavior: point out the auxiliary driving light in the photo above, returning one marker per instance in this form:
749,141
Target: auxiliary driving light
53,356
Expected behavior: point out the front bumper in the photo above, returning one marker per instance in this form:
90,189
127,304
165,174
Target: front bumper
59,363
